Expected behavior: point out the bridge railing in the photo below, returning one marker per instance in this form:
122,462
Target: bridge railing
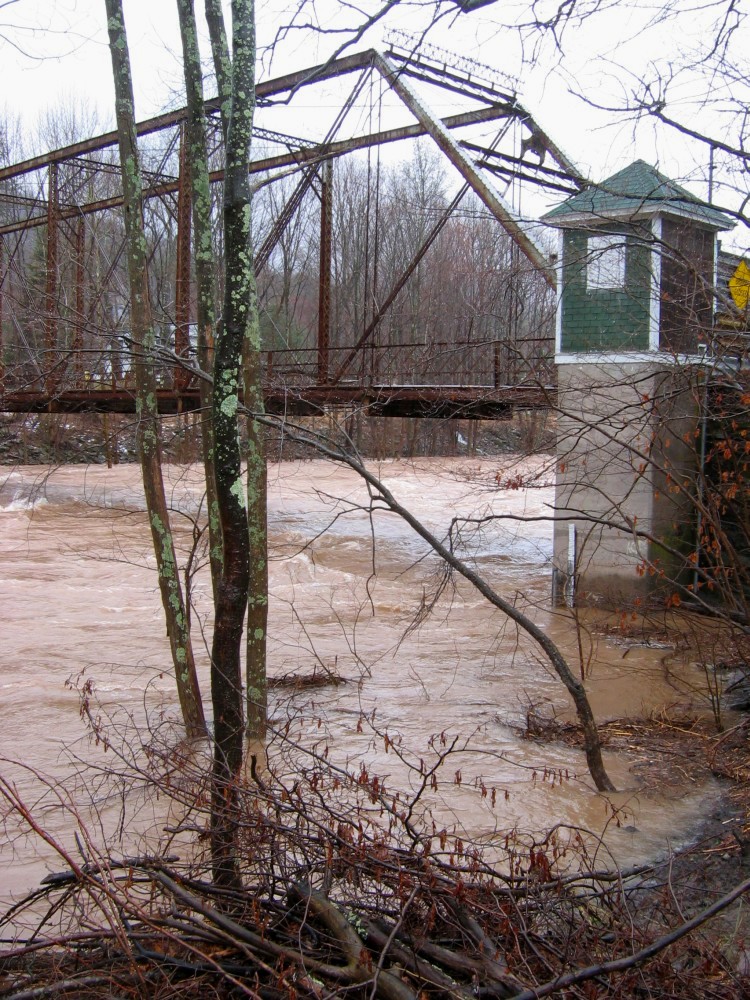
489,364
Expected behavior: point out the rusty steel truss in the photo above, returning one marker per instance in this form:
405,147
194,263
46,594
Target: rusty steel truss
64,341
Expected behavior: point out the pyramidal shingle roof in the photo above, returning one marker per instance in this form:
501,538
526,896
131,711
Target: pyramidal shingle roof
637,190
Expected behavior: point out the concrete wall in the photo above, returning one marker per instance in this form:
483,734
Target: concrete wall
626,459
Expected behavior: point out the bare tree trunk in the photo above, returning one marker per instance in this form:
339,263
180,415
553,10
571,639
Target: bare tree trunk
204,263
142,331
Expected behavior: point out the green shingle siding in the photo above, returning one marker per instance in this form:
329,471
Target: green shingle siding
605,319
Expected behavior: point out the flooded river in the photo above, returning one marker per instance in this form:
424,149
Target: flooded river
79,600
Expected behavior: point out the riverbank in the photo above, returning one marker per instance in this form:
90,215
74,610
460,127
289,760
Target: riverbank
667,755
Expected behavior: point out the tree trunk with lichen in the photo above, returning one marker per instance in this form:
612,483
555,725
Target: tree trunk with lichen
257,604
257,484
221,59
144,341
237,329
203,260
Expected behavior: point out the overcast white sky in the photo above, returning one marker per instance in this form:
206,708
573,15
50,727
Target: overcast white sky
56,52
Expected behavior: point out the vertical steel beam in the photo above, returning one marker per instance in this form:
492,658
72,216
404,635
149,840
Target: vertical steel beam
182,280
80,299
50,292
324,281
2,316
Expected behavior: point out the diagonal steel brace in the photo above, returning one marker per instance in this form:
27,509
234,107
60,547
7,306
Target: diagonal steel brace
465,165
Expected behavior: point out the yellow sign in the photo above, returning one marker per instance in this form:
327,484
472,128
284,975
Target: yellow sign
739,286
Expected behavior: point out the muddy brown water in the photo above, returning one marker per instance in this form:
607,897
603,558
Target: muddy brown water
79,600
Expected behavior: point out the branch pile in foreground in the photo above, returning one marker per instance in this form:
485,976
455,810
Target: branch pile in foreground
333,914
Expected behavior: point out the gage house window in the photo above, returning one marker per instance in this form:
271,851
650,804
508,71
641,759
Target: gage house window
605,262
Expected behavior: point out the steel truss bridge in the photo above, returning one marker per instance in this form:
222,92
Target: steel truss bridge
64,343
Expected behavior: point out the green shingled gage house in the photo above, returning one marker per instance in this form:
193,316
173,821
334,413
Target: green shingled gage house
636,274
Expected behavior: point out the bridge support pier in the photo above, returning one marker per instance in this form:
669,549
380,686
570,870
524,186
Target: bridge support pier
627,464
636,266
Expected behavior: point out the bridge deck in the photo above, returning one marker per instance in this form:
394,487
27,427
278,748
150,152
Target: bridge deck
468,402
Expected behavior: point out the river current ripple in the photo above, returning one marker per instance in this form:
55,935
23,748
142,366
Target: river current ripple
80,603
